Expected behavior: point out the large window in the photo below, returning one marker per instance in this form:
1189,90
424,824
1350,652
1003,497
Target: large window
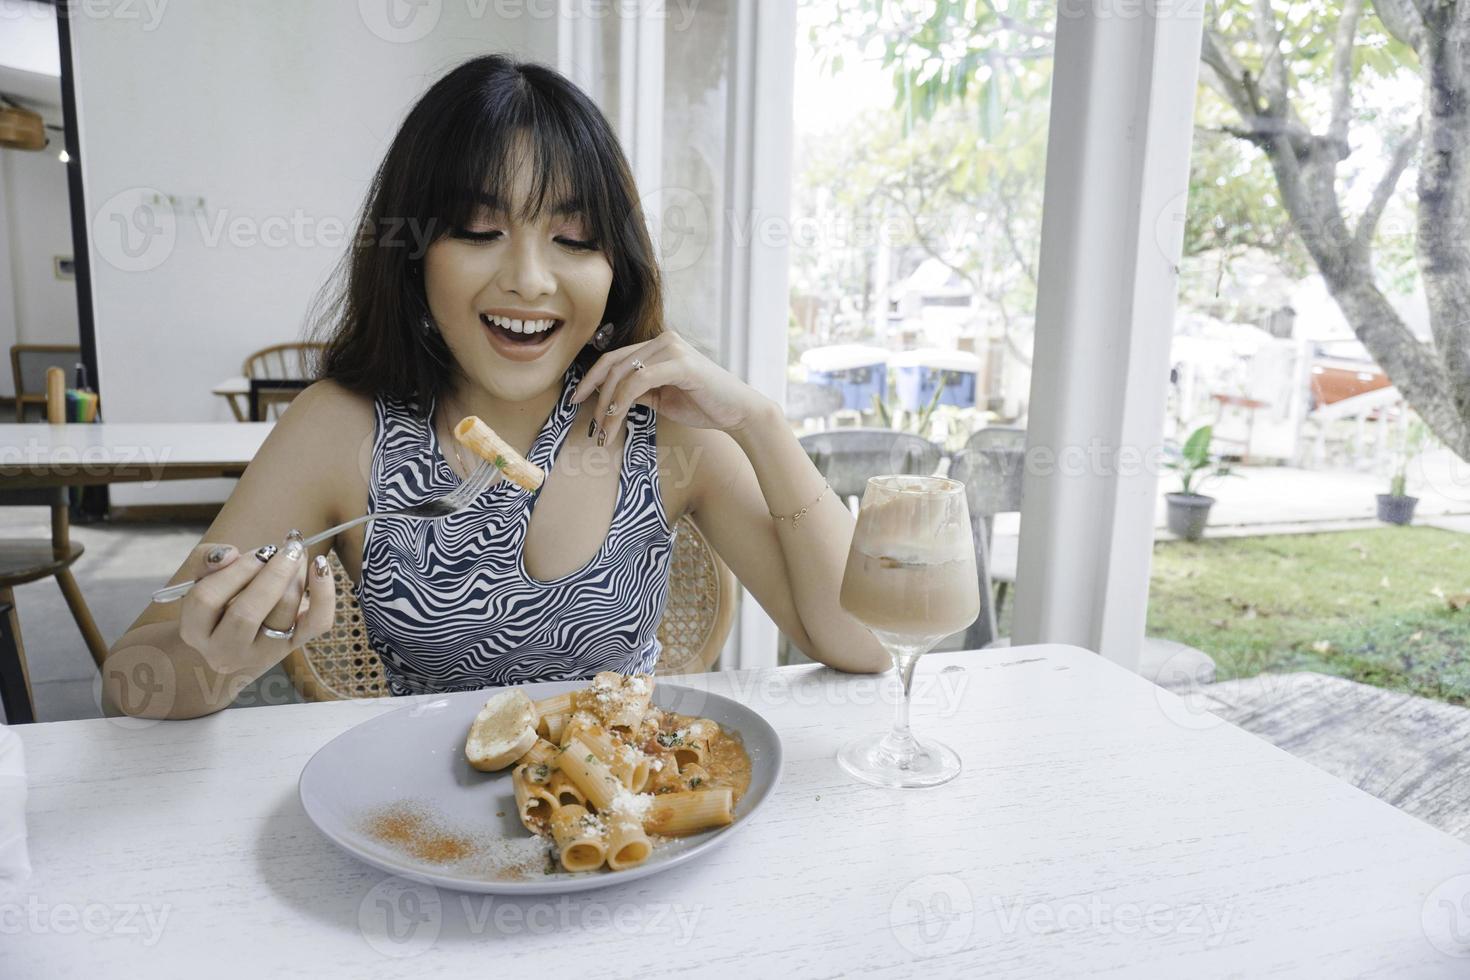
919,159
1320,338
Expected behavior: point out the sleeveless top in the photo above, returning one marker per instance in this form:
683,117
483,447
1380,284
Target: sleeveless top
448,604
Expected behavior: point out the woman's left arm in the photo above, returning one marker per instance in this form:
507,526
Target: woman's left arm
793,568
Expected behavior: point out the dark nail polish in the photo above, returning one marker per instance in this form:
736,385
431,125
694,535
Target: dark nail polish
601,437
266,552
591,428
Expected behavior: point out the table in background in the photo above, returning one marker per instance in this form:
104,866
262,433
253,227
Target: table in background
1099,825
36,456
79,454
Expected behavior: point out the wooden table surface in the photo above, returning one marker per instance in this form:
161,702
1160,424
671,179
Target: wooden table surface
1100,826
76,454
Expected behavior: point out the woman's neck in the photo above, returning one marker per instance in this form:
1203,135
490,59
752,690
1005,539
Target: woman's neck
517,422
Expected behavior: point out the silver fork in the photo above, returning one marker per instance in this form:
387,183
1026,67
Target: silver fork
452,502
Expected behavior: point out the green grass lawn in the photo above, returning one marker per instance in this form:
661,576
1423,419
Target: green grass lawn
1358,604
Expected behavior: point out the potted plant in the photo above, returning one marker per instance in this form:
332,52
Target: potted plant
1189,510
1396,506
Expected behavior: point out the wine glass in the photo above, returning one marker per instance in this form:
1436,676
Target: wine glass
911,580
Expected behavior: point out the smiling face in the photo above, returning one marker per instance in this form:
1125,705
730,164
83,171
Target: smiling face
494,284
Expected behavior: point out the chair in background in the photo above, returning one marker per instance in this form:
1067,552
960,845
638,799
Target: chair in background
23,561
848,457
992,479
807,402
28,366
701,607
998,437
294,364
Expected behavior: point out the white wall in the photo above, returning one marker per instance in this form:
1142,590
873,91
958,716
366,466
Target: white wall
274,112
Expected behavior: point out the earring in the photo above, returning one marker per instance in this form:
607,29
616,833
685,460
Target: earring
428,326
603,337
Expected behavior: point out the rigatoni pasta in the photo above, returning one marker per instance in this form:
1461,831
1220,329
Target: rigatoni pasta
610,774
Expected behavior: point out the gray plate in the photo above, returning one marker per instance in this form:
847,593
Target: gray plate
411,762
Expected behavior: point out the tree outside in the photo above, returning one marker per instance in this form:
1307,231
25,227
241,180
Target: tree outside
1326,226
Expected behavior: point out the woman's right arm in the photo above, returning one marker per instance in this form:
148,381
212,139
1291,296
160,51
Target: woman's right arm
192,657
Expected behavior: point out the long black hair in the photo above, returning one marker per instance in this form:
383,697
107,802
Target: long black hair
457,144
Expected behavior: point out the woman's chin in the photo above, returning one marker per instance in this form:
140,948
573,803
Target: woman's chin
518,382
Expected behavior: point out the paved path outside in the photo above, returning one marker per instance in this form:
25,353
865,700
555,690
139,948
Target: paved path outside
1408,751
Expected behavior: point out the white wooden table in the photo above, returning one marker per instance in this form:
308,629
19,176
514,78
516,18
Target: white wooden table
80,454
1100,826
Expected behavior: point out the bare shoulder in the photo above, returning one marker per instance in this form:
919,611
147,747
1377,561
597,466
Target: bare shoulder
327,430
695,463
327,405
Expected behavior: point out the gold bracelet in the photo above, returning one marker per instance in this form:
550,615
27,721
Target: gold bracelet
796,518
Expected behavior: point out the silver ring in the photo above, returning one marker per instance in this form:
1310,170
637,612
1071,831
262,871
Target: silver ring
278,634
638,365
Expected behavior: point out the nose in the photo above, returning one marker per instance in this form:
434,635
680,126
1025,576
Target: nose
525,270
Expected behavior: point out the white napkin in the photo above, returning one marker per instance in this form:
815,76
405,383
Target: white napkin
15,863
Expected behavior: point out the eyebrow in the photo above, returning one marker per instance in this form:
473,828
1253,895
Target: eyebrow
567,208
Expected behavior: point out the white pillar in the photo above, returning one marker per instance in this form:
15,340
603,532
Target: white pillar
762,83
1112,227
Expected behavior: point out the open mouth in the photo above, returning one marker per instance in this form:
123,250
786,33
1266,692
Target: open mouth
526,333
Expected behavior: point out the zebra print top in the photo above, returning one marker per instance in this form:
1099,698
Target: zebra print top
449,605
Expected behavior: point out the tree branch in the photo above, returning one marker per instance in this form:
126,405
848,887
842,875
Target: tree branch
1383,191
1273,62
1342,74
1401,19
1229,75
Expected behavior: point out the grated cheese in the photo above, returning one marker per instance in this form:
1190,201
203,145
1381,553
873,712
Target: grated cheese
634,805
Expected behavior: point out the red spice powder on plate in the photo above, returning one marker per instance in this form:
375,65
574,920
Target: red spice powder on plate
409,827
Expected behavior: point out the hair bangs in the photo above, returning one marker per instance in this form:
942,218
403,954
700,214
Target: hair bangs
526,133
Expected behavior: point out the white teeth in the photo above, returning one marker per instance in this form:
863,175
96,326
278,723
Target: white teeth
520,326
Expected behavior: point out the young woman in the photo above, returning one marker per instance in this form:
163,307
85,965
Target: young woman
502,269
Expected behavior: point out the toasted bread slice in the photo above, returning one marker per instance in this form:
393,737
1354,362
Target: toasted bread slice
503,731
473,432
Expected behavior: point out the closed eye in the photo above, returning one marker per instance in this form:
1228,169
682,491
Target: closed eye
490,236
476,236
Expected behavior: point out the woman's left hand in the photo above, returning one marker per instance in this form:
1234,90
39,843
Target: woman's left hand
675,380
